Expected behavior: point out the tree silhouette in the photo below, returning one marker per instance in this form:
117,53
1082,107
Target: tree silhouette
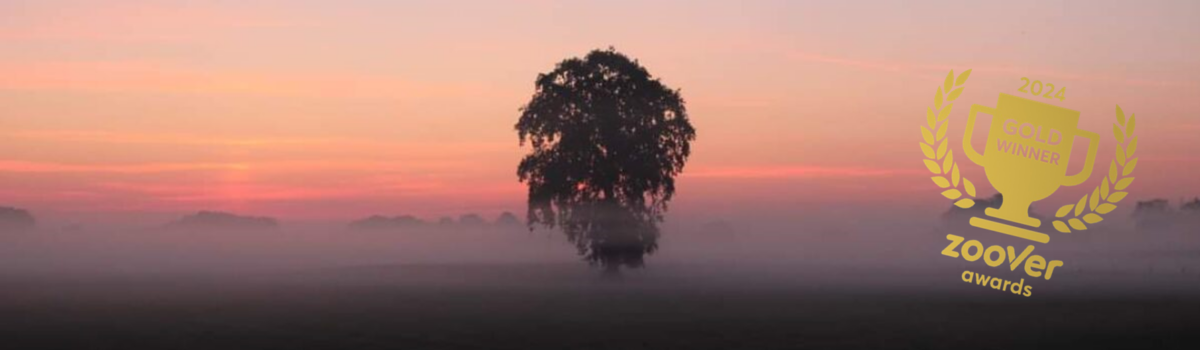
607,141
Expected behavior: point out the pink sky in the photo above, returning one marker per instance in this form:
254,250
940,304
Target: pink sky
338,110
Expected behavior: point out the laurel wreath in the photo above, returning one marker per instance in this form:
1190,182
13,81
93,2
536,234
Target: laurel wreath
1102,201
939,158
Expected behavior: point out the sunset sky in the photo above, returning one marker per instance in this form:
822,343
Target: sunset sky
335,110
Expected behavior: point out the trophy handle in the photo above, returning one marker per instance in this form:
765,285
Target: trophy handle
1093,146
967,147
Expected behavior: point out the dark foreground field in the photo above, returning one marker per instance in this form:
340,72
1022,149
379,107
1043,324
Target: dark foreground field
565,307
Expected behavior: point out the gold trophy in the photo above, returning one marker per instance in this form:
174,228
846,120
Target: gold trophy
1025,159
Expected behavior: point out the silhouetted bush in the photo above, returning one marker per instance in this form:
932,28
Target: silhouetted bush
507,219
15,220
471,220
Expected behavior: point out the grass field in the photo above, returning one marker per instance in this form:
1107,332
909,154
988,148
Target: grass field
564,306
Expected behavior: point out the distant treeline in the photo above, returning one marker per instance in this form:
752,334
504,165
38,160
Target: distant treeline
1158,213
379,222
1151,214
16,220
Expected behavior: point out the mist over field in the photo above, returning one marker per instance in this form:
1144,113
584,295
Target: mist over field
828,281
831,251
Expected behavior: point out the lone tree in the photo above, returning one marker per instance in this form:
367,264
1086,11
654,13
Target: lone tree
607,141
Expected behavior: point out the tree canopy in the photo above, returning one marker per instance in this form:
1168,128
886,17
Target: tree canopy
607,141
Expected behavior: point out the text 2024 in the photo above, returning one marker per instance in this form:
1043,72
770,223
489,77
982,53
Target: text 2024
1036,89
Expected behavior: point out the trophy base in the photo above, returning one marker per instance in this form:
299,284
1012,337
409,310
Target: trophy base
1020,219
1010,230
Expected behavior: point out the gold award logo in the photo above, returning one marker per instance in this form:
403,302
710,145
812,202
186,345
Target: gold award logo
1025,157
